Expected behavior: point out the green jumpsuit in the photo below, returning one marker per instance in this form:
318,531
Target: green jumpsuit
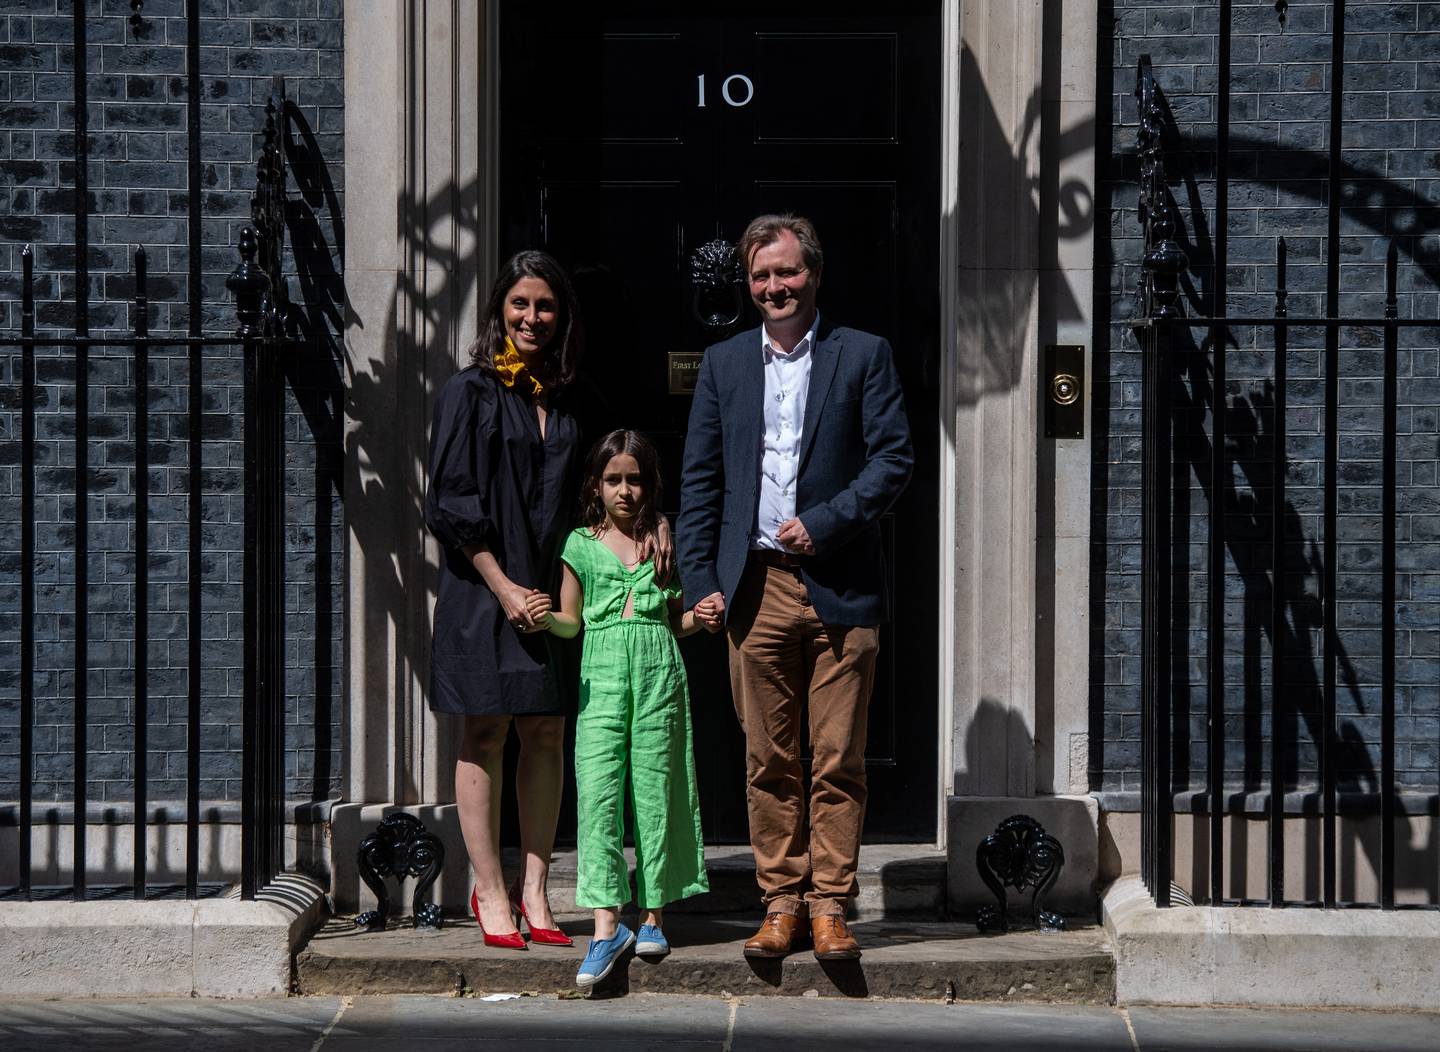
634,720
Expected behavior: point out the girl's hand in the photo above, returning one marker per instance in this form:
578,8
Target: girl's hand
515,601
660,549
538,605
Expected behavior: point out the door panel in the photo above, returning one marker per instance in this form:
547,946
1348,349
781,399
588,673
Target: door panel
855,71
617,157
607,93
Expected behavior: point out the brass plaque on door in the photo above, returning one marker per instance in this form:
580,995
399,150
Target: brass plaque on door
684,369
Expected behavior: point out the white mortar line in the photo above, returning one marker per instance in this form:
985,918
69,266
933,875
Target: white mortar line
345,1002
729,1026
1129,1028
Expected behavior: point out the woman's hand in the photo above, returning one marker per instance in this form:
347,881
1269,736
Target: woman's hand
515,601
660,549
539,606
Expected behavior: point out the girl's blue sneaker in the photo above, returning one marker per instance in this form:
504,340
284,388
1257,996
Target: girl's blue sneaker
600,958
651,942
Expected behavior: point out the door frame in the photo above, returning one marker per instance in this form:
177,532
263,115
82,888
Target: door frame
949,399
949,286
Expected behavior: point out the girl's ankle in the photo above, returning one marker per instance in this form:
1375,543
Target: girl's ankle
607,923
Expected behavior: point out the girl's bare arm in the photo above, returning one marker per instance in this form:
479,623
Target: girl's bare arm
682,622
565,622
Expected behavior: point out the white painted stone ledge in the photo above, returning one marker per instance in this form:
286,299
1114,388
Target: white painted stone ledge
208,948
1201,955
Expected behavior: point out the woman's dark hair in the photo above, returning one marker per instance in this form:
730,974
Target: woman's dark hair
562,353
592,507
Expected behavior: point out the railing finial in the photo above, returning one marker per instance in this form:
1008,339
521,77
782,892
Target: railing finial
248,284
1164,261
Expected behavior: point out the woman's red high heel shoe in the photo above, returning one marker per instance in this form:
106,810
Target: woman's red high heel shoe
513,941
548,936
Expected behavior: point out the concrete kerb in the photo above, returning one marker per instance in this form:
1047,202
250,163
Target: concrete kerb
1255,956
211,948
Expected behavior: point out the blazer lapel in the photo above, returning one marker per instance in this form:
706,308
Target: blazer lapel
750,399
825,357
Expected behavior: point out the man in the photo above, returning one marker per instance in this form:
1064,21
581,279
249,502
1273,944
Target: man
798,443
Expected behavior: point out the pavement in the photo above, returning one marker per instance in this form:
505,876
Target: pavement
688,1024
902,959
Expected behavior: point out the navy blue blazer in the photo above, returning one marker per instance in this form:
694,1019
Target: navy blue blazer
855,459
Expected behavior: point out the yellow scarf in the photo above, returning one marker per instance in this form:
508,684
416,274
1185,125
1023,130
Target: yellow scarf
512,370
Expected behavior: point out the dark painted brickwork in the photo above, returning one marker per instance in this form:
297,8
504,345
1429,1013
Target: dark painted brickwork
1279,128
138,186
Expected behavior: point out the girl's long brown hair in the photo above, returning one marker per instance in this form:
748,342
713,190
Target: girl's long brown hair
616,443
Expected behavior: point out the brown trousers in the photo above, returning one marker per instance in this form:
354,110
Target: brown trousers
782,657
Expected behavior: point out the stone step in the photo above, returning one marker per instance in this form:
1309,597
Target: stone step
895,880
923,960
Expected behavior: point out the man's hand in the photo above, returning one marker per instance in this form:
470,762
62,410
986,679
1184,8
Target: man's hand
660,549
796,539
710,612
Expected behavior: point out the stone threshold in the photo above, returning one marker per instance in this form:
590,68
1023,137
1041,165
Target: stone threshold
906,880
902,959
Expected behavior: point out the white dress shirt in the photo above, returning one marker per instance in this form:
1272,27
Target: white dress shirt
787,382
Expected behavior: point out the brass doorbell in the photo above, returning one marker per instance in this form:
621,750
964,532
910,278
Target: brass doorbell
1064,388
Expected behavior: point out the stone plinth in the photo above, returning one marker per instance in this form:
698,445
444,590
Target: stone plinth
220,947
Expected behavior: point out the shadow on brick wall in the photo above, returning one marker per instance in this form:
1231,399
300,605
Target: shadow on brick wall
315,224
1374,209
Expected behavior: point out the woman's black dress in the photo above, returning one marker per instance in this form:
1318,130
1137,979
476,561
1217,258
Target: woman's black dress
493,480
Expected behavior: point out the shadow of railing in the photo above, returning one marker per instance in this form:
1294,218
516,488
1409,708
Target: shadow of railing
1253,527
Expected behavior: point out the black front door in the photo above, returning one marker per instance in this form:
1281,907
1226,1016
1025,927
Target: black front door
631,135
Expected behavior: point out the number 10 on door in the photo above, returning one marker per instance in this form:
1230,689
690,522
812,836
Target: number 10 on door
737,90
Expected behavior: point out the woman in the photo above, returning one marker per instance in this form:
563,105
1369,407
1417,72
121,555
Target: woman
504,465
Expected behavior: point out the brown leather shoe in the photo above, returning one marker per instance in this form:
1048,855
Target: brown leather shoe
773,939
833,941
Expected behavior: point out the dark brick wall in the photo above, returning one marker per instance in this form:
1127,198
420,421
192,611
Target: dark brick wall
138,196
1279,131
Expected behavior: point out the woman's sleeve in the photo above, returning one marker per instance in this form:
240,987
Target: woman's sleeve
457,504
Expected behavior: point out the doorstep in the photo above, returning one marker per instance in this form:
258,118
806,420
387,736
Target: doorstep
894,879
915,959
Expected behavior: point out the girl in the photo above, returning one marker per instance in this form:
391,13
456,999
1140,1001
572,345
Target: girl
504,463
634,721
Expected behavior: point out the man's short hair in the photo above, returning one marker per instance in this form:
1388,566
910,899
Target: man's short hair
765,229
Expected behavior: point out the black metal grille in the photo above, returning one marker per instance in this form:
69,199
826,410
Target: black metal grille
263,340
1176,351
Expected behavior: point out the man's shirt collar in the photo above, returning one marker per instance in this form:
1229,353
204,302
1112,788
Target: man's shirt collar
806,344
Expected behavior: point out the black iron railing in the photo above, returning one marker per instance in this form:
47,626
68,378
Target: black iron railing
261,337
1177,348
